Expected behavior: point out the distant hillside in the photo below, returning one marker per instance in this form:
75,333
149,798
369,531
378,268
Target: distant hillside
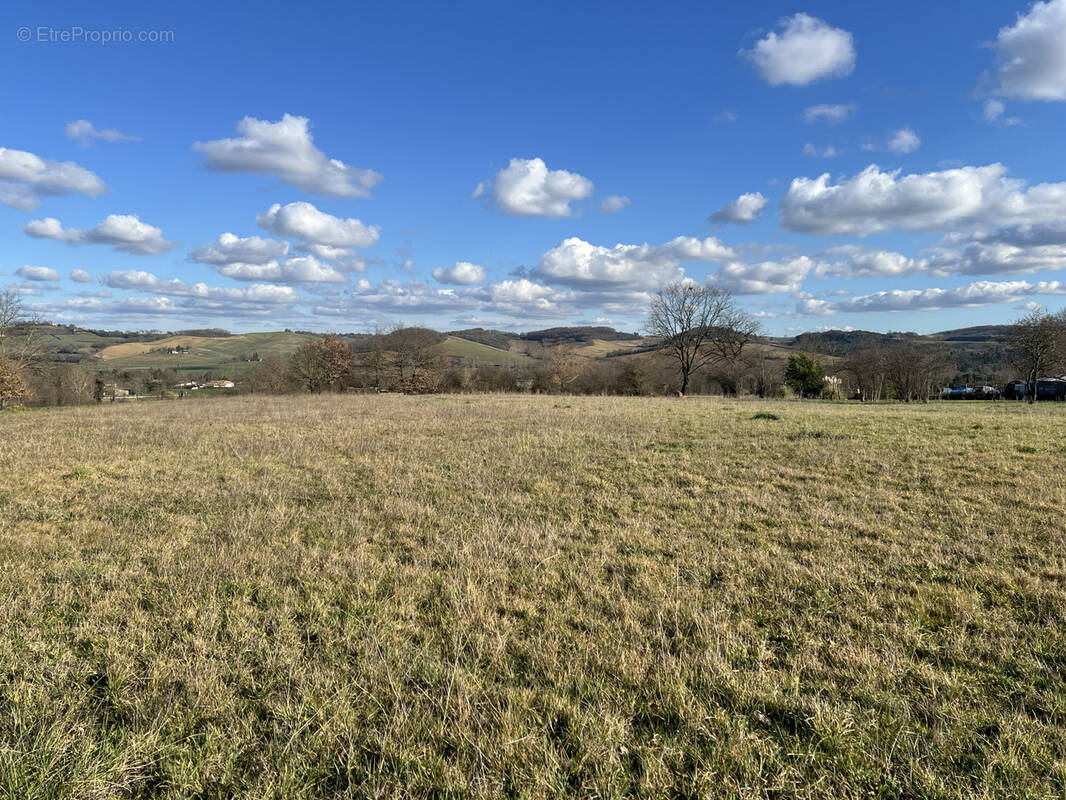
978,333
199,353
550,337
478,354
501,340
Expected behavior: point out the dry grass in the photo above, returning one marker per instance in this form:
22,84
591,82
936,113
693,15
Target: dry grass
532,597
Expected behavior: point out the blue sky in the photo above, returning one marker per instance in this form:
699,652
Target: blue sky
878,166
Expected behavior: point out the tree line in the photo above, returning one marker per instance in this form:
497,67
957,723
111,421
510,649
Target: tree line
705,343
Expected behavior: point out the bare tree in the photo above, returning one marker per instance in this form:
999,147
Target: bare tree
375,357
18,331
914,369
322,363
701,326
865,369
20,347
1036,344
564,366
413,349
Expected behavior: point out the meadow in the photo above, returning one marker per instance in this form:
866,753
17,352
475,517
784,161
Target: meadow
517,596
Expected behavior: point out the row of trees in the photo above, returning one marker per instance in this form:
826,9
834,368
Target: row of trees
704,345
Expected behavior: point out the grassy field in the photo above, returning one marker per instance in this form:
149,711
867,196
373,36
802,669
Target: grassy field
205,353
389,596
477,353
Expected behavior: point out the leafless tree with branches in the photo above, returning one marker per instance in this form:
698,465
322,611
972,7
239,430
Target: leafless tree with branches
700,326
1036,344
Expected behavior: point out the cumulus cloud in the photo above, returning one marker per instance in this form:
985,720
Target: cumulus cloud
828,113
527,188
979,293
324,235
743,210
862,263
125,233
1021,235
575,262
147,282
37,273
804,49
614,202
85,132
232,249
766,277
25,178
871,201
905,140
287,149
80,276
810,307
1000,258
1032,54
462,273
516,298
298,269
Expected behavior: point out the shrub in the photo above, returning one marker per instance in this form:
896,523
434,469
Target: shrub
766,415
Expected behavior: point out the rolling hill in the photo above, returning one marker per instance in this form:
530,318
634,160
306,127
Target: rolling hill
205,354
478,354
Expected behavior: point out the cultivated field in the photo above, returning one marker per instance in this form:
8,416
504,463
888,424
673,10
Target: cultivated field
389,596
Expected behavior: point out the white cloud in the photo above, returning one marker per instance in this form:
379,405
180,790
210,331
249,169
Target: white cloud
123,232
575,262
37,273
726,115
905,140
326,251
147,282
257,259
232,249
287,149
462,273
743,210
25,178
1032,54
813,151
80,276
979,293
298,269
1000,258
805,50
85,132
527,188
324,235
517,298
614,202
1022,235
828,113
953,199
767,277
809,307
993,112
862,263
